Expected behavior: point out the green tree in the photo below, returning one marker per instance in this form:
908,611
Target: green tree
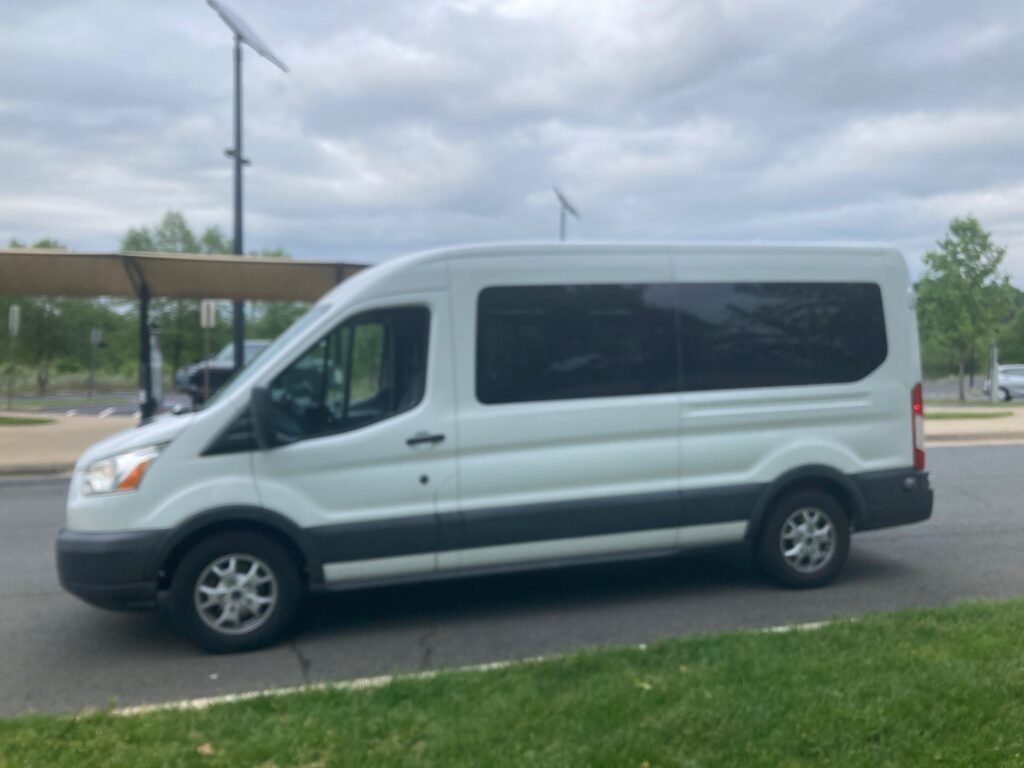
1011,337
964,296
42,340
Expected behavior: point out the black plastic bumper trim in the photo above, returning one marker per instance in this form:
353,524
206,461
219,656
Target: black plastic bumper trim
894,497
108,569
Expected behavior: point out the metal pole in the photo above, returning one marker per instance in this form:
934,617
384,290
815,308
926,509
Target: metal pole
206,364
238,307
10,369
993,375
561,223
147,406
92,365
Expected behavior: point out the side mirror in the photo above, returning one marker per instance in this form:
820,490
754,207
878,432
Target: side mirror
262,414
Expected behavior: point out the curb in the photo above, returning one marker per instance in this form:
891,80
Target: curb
957,436
35,469
380,681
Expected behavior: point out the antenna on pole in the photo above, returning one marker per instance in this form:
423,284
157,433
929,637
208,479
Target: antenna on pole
564,207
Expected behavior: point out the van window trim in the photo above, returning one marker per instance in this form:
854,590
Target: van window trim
356,313
680,389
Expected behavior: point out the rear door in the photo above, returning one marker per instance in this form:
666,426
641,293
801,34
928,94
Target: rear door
567,409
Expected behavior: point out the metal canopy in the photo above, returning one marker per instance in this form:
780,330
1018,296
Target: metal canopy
43,272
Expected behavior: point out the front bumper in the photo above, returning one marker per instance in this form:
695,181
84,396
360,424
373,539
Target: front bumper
109,569
894,497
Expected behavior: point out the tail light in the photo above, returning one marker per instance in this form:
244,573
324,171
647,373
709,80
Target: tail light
917,428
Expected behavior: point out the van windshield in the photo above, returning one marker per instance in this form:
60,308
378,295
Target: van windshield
240,378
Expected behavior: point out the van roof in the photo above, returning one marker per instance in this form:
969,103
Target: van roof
528,248
381,270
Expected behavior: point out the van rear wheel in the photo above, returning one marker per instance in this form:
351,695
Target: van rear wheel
805,541
235,592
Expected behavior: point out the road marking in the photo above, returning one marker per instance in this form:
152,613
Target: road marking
106,412
380,681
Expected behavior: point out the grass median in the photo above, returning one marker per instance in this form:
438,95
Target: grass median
925,687
959,415
23,421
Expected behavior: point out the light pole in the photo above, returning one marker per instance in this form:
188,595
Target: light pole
564,207
243,34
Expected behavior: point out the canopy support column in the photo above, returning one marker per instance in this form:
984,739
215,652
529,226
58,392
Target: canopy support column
147,400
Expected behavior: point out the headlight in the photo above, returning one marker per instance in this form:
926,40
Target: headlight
119,473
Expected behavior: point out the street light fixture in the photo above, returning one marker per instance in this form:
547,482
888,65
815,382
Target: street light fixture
243,34
564,207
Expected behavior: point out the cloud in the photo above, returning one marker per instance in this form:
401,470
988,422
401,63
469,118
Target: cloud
404,124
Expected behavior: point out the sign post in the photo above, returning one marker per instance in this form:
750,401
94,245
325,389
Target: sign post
993,376
207,319
95,338
13,326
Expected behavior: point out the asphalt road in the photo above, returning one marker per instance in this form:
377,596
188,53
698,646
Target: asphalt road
60,655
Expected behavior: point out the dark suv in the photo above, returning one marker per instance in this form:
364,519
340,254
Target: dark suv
190,378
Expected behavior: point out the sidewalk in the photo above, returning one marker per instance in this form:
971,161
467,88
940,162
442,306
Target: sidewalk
52,448
990,430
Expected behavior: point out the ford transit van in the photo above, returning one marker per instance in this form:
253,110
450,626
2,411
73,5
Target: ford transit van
471,410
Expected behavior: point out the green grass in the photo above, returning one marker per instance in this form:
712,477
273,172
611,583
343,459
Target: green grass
926,687
57,402
23,421
973,403
978,414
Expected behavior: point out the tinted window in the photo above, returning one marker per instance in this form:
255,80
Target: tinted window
779,334
574,341
367,369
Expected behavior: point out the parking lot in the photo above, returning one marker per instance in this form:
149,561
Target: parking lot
57,654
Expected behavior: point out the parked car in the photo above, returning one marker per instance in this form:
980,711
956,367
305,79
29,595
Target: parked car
1011,382
190,379
469,411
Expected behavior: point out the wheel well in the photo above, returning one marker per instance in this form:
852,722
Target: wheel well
177,552
832,487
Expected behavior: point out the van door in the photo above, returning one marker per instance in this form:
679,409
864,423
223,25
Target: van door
368,417
567,409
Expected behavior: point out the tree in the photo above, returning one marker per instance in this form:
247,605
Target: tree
41,328
964,296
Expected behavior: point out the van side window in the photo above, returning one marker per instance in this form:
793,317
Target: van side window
735,335
556,342
370,367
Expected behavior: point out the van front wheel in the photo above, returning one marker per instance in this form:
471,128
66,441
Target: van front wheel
235,592
805,541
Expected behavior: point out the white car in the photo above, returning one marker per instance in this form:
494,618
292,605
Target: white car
1011,382
474,410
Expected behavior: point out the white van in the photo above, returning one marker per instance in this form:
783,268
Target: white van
480,409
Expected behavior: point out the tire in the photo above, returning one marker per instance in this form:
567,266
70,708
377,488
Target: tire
799,514
238,573
1004,395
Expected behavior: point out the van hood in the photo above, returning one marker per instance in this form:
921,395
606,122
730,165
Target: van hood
162,429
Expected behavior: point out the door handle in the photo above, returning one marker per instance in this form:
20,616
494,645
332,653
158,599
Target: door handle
424,438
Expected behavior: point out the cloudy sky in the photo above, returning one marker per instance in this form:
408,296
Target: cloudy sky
405,125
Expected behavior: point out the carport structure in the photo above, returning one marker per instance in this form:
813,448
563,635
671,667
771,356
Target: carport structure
144,276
